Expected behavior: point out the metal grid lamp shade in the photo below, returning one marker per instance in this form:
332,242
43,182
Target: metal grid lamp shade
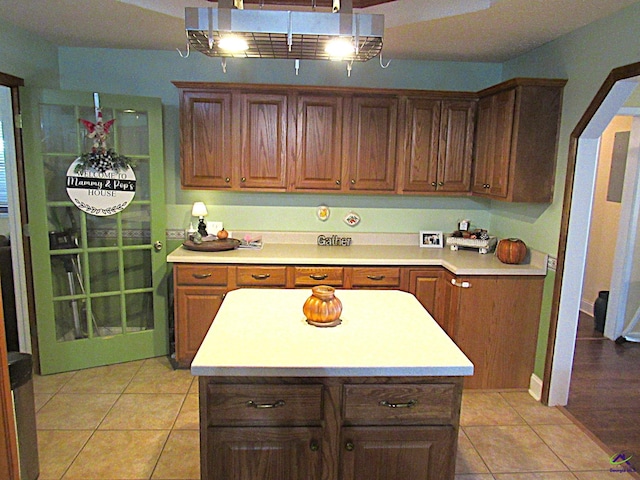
283,34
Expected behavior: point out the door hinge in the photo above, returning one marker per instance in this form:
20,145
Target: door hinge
17,120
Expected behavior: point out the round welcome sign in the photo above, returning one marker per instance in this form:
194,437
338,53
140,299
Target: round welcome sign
100,191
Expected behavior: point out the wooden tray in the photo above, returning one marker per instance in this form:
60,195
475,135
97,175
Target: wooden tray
213,245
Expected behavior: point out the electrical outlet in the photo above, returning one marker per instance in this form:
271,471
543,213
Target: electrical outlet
213,227
552,262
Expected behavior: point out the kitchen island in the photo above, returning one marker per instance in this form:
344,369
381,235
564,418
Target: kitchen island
377,396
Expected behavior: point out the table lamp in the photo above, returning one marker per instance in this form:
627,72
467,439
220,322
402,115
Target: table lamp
199,210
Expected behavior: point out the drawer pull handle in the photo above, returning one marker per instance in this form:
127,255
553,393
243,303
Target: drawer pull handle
201,275
314,446
276,404
409,404
377,278
455,283
317,276
349,446
260,276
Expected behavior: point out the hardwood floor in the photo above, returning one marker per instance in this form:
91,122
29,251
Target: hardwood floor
605,389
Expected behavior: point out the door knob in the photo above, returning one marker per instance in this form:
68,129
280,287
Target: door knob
157,245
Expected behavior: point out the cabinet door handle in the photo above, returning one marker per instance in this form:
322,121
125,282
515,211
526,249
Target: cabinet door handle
349,446
260,276
276,404
408,404
455,283
441,184
377,278
338,182
318,276
434,184
227,179
314,446
201,275
243,179
353,182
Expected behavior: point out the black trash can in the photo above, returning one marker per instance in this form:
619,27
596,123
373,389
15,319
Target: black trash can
21,378
600,310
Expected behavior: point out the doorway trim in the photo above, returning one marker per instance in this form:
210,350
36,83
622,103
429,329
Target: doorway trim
583,145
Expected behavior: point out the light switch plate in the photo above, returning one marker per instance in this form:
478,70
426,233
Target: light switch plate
214,227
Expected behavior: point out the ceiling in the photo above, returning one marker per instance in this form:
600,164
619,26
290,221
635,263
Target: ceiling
453,30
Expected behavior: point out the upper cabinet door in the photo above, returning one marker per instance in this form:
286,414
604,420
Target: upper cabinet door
455,150
372,149
420,148
263,150
318,147
493,158
205,139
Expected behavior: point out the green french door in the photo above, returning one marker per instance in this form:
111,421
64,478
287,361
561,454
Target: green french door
98,280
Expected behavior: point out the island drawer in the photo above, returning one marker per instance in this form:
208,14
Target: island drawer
375,277
309,276
255,276
235,404
200,275
418,404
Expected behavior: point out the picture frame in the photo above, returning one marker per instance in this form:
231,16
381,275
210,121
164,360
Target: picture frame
431,239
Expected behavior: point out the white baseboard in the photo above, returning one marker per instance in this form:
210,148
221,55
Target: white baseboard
586,307
535,387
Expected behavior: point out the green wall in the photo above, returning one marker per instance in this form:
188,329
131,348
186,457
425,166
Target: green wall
26,56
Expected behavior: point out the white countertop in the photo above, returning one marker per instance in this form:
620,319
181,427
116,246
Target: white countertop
365,250
263,332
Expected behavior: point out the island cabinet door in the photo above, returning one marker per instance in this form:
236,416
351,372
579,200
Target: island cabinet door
264,453
393,453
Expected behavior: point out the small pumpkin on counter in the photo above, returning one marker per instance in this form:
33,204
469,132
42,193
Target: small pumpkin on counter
222,234
322,306
511,250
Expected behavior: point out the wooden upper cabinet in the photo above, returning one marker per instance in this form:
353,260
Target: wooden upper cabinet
205,139
317,160
517,140
263,154
438,145
371,149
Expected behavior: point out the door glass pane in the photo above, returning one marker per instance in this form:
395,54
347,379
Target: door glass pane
59,129
137,269
55,177
139,311
102,231
104,272
141,171
64,227
66,275
136,225
132,130
70,320
106,315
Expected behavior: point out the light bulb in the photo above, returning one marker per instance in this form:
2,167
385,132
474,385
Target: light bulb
233,43
339,48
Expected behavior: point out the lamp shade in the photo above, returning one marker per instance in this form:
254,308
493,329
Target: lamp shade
199,209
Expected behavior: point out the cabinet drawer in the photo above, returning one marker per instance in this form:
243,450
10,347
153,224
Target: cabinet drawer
200,275
305,276
415,404
258,276
263,403
376,277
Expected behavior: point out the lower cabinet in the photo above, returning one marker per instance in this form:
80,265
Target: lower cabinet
265,453
383,428
493,319
385,453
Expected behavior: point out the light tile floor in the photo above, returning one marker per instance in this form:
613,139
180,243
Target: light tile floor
139,420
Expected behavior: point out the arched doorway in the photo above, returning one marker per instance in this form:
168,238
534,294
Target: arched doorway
579,188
